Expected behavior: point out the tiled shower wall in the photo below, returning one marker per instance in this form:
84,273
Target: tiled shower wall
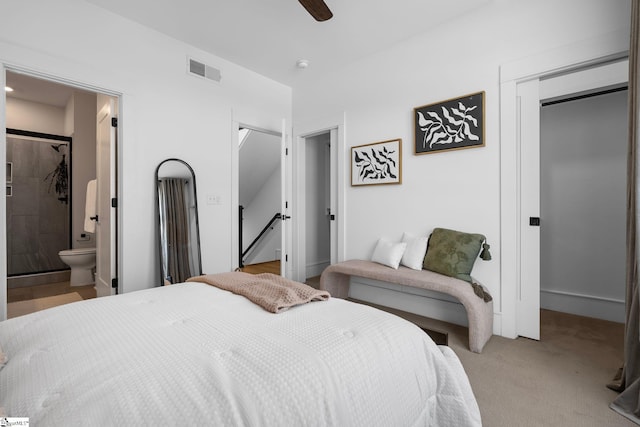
37,222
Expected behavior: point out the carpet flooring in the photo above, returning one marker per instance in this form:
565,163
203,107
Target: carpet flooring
559,381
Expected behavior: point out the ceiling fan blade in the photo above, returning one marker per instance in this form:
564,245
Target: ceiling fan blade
317,8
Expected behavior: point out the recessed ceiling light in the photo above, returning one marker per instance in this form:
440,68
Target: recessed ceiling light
8,89
302,63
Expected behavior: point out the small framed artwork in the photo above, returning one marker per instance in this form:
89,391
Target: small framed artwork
377,163
449,125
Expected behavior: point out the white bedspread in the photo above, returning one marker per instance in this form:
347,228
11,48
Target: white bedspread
191,354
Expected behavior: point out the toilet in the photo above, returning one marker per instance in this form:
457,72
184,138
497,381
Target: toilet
82,261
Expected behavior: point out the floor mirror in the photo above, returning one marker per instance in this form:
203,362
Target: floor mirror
177,220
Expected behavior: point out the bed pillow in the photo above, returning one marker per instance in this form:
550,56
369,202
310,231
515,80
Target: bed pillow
388,253
413,256
452,253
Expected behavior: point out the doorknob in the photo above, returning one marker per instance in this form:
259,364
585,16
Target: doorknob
285,217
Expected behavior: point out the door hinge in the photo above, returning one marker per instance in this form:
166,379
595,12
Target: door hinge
114,202
286,205
114,282
114,122
286,151
286,258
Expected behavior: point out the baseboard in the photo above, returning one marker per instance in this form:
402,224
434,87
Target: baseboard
583,305
316,269
38,279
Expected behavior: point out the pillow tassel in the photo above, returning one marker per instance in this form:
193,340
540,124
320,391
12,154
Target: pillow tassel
479,291
485,254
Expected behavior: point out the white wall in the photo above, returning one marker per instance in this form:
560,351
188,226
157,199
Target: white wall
84,163
35,117
583,159
458,189
164,113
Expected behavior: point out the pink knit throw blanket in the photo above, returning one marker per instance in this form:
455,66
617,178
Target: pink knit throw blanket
271,292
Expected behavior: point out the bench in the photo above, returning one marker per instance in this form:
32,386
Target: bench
337,278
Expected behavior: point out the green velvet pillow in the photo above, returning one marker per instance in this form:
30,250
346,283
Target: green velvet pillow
452,253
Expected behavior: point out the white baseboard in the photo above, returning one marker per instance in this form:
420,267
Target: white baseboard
316,269
583,305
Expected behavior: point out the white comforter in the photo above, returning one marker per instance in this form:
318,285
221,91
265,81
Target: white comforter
191,354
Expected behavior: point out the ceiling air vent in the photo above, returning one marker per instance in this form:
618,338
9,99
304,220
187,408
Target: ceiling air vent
200,69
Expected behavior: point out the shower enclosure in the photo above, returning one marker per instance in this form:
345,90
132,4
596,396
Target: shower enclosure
38,201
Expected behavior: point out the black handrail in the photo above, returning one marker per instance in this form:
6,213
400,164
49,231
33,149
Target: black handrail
276,217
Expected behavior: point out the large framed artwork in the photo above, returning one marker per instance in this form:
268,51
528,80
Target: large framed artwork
448,125
377,163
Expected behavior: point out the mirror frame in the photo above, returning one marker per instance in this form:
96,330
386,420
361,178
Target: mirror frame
194,225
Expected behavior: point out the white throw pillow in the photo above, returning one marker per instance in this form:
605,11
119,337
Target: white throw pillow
388,253
413,256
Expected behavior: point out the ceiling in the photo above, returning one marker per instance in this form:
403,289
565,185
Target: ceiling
269,36
38,90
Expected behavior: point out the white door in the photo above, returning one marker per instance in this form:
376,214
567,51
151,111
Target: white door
528,293
106,191
333,194
286,264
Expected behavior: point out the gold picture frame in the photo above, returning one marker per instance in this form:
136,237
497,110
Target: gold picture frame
377,163
453,124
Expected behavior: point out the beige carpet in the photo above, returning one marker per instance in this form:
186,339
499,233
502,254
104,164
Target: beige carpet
557,381
19,308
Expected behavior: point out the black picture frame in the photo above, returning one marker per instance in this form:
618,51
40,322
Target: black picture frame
453,124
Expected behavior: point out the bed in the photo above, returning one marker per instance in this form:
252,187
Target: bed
195,354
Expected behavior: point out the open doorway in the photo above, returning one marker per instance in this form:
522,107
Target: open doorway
583,160
317,170
561,182
260,200
318,212
52,151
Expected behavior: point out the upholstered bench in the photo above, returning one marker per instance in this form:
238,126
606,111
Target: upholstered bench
336,279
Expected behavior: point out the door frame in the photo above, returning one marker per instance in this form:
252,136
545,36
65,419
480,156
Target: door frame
284,192
531,94
336,128
303,140
108,111
566,59
115,239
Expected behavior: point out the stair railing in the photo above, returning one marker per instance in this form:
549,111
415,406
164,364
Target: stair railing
243,254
